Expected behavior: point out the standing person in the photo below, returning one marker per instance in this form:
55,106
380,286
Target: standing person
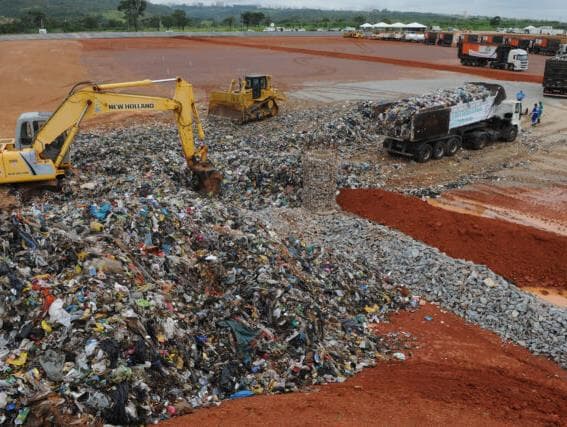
535,114
540,112
520,97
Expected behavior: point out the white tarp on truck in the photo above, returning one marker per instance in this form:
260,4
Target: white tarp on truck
488,52
471,112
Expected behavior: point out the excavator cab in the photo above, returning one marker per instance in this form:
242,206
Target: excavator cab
28,126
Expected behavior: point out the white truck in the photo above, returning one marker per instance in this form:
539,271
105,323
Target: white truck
432,133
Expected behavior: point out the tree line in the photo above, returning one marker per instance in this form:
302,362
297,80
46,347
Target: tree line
133,19
132,15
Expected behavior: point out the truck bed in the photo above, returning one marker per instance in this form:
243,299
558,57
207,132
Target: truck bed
555,77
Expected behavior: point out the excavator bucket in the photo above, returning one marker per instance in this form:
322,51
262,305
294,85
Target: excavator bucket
206,179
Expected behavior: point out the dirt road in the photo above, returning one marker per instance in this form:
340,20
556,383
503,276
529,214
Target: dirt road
455,373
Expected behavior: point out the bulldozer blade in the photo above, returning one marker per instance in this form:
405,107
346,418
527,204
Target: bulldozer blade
223,110
206,179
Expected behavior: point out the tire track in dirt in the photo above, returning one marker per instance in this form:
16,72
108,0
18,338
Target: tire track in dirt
483,72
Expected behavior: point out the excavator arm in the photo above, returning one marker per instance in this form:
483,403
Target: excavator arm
45,159
94,100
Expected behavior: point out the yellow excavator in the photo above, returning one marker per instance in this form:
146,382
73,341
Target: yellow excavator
40,151
247,100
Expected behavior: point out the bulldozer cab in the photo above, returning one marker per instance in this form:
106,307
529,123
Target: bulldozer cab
257,83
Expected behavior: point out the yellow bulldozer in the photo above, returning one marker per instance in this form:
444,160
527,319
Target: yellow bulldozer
247,100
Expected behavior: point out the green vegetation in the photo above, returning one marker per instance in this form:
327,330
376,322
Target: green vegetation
122,15
133,10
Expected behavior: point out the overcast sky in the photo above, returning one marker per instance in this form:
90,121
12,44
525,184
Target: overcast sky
541,9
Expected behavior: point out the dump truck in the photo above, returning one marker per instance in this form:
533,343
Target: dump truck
546,46
249,100
438,131
448,39
496,56
555,76
519,42
431,37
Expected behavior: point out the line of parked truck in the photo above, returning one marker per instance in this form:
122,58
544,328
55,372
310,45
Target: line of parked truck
539,45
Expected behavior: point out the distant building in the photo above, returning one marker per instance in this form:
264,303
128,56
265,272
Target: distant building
545,30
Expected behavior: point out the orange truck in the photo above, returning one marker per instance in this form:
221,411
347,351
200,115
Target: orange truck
494,55
546,45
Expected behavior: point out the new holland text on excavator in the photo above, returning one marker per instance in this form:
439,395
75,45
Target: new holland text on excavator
40,150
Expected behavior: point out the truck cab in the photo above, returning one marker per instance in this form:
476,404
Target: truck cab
509,113
518,58
511,59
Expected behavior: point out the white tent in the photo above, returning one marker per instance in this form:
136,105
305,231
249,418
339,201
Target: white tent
416,25
381,25
397,25
366,25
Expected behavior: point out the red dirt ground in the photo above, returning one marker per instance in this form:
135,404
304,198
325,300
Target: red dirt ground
269,44
457,374
389,49
210,66
524,255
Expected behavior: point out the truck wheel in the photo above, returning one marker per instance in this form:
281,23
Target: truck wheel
423,153
438,150
480,141
511,134
452,146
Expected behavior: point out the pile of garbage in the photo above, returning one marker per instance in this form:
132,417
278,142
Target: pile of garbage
133,299
394,119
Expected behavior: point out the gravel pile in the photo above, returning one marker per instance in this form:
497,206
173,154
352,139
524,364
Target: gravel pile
469,290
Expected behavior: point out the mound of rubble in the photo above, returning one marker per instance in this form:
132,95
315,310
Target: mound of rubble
133,299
